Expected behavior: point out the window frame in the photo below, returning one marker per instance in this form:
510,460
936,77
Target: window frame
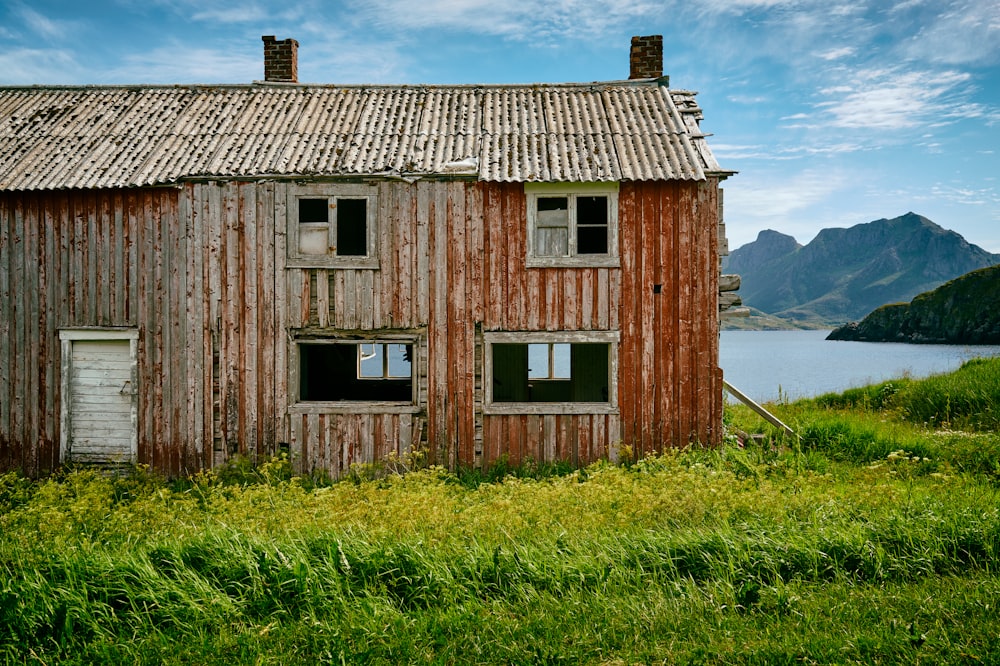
331,191
298,406
611,338
535,191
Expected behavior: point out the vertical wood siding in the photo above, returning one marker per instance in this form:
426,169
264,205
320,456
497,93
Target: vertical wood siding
98,259
200,272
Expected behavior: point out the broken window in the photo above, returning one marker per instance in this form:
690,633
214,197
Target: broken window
572,224
336,371
332,229
562,369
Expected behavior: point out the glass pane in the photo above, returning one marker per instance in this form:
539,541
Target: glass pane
352,227
313,239
370,360
560,361
400,364
538,361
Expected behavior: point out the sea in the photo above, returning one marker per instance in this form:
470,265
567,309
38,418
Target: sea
772,366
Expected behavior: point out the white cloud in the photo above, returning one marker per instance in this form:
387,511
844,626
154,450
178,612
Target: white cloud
521,20
176,63
893,99
837,53
765,197
41,66
243,14
964,32
966,195
41,25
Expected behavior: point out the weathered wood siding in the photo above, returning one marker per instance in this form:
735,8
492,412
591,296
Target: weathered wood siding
200,272
100,259
452,264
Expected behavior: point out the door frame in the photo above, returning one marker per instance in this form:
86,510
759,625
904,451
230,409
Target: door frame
67,337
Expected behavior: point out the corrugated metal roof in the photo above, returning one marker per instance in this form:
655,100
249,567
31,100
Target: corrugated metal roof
129,136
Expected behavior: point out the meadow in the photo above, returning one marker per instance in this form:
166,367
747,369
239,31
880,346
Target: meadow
873,537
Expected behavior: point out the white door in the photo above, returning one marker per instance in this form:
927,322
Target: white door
99,410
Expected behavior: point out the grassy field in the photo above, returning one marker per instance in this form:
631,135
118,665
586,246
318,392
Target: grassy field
873,538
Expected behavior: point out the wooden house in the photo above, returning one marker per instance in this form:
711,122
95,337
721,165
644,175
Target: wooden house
194,272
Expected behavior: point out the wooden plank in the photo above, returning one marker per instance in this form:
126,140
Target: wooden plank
232,323
265,353
250,341
494,247
8,231
628,358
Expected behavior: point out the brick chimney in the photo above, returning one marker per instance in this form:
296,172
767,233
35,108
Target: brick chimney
281,60
646,58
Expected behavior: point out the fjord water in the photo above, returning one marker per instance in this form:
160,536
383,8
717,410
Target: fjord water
768,365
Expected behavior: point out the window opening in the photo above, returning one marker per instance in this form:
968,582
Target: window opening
355,371
592,225
352,227
550,372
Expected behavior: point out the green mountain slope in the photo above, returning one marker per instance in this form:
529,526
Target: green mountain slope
845,273
963,311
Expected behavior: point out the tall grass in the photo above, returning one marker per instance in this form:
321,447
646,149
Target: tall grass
407,568
875,541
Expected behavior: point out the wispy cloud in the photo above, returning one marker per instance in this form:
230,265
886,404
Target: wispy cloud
837,53
962,32
968,196
41,25
521,20
893,99
244,14
26,66
769,199
176,63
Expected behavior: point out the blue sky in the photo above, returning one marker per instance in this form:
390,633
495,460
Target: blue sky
834,112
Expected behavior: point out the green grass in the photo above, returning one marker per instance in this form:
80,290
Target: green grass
872,538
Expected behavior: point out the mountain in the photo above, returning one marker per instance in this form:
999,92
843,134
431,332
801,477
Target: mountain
965,310
843,274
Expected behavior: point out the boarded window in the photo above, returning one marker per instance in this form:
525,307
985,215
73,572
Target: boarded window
355,371
550,372
552,227
314,226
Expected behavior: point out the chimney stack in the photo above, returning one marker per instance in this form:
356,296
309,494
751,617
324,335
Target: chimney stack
281,60
646,58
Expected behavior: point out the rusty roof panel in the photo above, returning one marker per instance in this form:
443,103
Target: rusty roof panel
128,136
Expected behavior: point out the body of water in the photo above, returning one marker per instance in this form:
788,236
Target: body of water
767,365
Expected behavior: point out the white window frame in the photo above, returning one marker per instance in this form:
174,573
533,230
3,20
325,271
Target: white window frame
534,191
331,192
611,338
299,406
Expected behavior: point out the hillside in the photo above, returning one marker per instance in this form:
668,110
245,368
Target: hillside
963,311
843,274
